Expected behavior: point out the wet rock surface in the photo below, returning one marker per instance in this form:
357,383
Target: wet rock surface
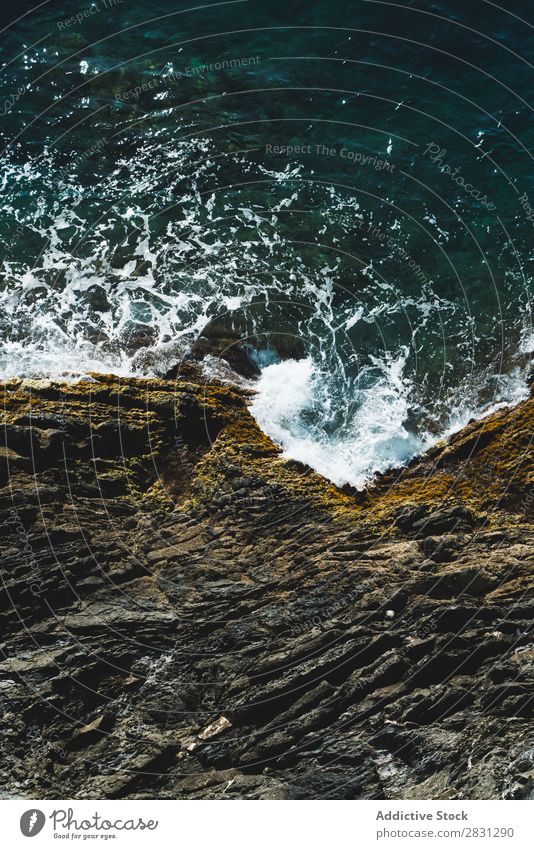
187,615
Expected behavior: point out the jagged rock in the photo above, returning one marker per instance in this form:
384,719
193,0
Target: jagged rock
185,614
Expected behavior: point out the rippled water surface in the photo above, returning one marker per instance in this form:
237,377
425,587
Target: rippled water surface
347,186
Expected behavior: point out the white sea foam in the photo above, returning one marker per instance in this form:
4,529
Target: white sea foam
124,275
373,440
292,407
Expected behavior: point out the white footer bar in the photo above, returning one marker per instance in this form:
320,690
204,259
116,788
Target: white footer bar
269,825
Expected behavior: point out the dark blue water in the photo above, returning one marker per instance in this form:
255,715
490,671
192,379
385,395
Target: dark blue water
347,186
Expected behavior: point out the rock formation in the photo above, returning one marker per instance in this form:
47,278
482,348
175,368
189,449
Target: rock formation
186,614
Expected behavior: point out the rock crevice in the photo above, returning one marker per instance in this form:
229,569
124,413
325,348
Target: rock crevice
185,614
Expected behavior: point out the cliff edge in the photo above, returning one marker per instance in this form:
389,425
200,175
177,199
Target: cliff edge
186,614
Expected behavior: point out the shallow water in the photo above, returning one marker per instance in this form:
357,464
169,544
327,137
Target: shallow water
355,178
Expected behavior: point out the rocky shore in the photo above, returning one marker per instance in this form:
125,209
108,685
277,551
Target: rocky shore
185,614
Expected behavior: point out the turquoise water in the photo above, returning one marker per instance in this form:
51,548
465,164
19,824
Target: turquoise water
351,183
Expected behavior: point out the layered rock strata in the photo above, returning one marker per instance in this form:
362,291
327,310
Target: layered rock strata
186,614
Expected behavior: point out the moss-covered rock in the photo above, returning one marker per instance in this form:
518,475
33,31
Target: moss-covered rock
226,622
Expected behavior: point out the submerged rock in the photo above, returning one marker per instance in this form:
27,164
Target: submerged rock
187,615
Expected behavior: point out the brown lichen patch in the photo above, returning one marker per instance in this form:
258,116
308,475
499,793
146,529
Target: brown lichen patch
182,440
164,566
487,467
